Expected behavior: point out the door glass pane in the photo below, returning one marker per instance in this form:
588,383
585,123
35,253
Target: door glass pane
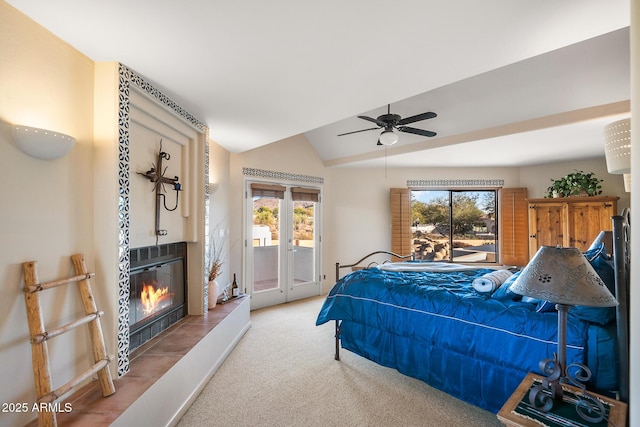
430,225
303,243
266,243
466,232
474,226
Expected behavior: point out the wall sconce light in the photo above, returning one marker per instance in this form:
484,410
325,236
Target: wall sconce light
214,187
41,143
617,149
564,276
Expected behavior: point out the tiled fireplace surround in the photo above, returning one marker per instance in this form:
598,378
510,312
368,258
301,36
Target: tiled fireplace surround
158,381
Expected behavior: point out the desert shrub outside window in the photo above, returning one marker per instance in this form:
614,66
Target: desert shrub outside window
454,225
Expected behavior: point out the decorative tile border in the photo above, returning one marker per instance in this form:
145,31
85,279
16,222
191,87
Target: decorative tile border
126,78
456,183
207,231
284,176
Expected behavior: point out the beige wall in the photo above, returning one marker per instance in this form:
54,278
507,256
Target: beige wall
48,212
220,214
47,209
359,216
355,202
292,155
538,178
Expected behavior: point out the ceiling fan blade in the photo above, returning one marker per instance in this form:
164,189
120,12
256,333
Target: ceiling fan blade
415,131
371,119
356,131
417,118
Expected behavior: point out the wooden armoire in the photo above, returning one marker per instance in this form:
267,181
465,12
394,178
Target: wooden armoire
569,221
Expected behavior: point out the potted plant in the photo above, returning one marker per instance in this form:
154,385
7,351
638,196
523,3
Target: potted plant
577,183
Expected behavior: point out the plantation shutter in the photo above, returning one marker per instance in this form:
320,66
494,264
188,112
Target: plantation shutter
401,221
267,190
305,194
513,226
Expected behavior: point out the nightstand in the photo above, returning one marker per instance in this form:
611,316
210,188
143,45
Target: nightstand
517,412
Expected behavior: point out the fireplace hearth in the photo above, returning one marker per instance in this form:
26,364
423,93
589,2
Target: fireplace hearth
157,290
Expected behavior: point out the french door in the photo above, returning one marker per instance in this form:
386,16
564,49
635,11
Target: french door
282,242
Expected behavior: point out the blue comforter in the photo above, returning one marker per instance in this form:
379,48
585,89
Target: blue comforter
437,328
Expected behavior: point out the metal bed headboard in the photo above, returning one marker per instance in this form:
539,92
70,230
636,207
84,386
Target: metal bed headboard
357,263
622,264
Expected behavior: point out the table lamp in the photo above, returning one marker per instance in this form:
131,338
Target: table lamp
563,276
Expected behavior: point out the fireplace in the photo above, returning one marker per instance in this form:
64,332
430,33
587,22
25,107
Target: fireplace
157,290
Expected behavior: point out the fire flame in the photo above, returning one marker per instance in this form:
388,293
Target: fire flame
150,297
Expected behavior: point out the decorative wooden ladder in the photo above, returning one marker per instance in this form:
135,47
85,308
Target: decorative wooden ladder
47,398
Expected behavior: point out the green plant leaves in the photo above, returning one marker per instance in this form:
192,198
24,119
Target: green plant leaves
575,184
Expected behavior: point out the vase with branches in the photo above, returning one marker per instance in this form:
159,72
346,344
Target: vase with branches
216,249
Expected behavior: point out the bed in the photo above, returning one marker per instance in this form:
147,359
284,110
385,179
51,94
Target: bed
430,322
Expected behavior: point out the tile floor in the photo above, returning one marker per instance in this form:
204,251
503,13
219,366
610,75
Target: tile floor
148,363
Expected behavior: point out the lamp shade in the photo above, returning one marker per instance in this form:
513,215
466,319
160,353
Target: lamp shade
617,146
388,137
41,143
563,276
627,182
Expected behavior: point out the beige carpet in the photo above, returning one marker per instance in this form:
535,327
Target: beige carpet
282,373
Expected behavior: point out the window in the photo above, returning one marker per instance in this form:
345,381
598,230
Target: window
454,225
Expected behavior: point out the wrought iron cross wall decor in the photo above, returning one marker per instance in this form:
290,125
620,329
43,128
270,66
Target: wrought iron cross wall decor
156,176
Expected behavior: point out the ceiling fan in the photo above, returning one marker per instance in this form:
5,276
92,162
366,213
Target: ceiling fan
389,122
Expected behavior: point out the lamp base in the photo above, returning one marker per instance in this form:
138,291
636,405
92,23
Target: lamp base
550,391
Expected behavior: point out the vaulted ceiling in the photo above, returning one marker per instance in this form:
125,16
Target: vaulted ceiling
513,83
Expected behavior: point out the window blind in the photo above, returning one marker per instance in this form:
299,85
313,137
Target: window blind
267,190
305,194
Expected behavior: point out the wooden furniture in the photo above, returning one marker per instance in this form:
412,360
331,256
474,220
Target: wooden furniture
569,221
48,399
517,413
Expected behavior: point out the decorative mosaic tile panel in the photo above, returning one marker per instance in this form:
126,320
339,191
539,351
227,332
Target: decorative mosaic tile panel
207,204
128,77
261,173
454,183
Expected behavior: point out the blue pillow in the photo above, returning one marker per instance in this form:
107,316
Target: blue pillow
542,306
545,307
595,250
503,293
603,265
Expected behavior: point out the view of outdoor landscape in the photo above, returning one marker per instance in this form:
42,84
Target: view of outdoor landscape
266,212
268,235
455,226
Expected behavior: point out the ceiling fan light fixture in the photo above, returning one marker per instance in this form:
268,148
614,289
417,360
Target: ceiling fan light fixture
388,137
